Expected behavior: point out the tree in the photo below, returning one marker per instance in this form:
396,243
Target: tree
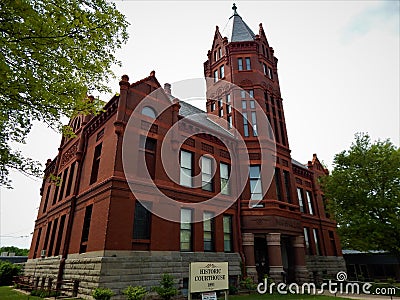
52,54
166,290
16,250
364,195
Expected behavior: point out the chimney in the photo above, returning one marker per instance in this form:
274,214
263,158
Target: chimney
167,88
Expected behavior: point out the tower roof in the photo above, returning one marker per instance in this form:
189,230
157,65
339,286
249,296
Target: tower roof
236,29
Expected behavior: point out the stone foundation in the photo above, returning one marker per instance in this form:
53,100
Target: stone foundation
324,267
118,269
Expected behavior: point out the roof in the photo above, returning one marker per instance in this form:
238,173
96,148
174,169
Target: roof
298,164
200,116
237,30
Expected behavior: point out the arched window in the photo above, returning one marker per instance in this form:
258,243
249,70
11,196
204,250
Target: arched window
148,111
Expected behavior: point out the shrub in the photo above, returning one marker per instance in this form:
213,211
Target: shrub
233,290
166,290
102,294
248,284
135,293
7,272
44,293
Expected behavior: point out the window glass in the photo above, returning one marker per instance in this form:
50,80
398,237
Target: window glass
248,64
206,173
148,111
224,175
186,168
240,64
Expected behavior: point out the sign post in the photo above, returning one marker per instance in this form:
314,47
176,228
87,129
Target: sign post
207,278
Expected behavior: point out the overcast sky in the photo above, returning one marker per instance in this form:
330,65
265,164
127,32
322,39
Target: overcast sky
338,70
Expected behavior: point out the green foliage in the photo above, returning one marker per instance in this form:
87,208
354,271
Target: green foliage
248,283
364,195
44,293
16,250
233,290
135,293
52,54
7,272
166,290
102,294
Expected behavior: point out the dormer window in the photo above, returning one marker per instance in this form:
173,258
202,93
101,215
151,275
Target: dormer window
148,111
219,52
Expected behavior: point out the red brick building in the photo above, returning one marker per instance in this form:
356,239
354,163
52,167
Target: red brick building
93,228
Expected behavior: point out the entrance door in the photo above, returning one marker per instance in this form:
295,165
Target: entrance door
261,257
288,259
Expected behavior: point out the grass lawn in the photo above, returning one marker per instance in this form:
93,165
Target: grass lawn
7,293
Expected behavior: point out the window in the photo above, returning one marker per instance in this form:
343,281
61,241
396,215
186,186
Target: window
219,103
186,168
53,236
70,178
221,112
286,177
46,237
215,75
248,64
208,228
228,238
186,229
86,228
63,180
212,106
206,174
46,199
252,104
221,72
301,200
316,241
215,55
228,98
307,241
251,93
96,163
224,175
56,193
254,123
264,68
242,94
270,73
255,183
228,109
277,136
149,146
37,242
59,237
240,64
148,111
141,221
245,125
220,52
309,202
244,104
263,49
278,184
230,124
282,133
